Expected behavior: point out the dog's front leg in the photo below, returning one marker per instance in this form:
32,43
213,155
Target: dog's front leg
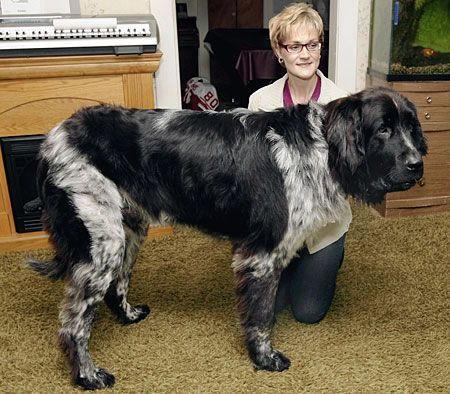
257,280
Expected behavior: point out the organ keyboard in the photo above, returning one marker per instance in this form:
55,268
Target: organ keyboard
40,35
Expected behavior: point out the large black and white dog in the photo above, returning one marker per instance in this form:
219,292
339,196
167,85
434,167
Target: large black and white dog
266,180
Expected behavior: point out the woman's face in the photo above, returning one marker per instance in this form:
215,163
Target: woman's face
303,64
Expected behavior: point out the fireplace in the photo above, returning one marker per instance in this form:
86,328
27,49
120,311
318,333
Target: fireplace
19,157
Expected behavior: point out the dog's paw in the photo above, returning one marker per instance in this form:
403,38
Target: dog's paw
139,312
100,379
274,361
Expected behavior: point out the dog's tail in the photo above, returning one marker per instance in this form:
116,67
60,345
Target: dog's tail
54,269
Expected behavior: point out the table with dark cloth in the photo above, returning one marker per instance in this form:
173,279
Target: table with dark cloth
246,57
254,64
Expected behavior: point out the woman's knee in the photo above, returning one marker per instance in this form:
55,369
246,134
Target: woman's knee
310,312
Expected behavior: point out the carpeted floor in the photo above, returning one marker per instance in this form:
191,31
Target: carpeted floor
388,329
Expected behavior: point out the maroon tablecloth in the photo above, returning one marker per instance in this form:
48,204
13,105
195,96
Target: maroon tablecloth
257,64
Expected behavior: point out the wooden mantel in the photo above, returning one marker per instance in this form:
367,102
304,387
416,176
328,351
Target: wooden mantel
36,93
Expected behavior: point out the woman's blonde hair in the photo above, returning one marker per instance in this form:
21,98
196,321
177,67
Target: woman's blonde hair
293,14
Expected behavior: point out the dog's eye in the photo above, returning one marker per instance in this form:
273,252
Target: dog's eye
384,131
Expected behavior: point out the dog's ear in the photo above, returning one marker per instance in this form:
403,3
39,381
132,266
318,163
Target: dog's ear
343,130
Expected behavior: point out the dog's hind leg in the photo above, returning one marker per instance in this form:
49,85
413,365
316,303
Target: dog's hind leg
86,286
257,280
136,227
99,209
79,199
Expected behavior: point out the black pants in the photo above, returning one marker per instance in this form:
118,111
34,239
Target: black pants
309,282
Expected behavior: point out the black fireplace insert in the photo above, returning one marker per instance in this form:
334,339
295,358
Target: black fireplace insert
19,157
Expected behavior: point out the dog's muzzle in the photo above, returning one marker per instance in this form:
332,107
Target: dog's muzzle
412,175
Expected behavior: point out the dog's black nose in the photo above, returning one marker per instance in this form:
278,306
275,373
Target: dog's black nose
415,166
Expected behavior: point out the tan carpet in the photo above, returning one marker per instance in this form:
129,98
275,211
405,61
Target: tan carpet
387,330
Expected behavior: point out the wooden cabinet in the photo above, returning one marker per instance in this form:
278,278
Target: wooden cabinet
235,14
432,195
37,93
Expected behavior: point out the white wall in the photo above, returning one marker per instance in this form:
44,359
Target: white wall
343,43
349,43
362,55
167,78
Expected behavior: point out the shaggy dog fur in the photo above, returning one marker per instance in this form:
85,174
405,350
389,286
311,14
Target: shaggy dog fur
266,180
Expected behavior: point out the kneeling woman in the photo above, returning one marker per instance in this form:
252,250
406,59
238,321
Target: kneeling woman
296,34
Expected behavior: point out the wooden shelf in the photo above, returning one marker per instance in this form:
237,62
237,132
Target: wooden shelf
39,240
39,92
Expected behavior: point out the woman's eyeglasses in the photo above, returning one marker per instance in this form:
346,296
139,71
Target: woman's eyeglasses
312,47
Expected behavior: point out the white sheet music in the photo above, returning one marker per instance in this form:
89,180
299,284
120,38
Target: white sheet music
21,7
27,7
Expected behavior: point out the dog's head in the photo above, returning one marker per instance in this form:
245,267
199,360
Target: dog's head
376,143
